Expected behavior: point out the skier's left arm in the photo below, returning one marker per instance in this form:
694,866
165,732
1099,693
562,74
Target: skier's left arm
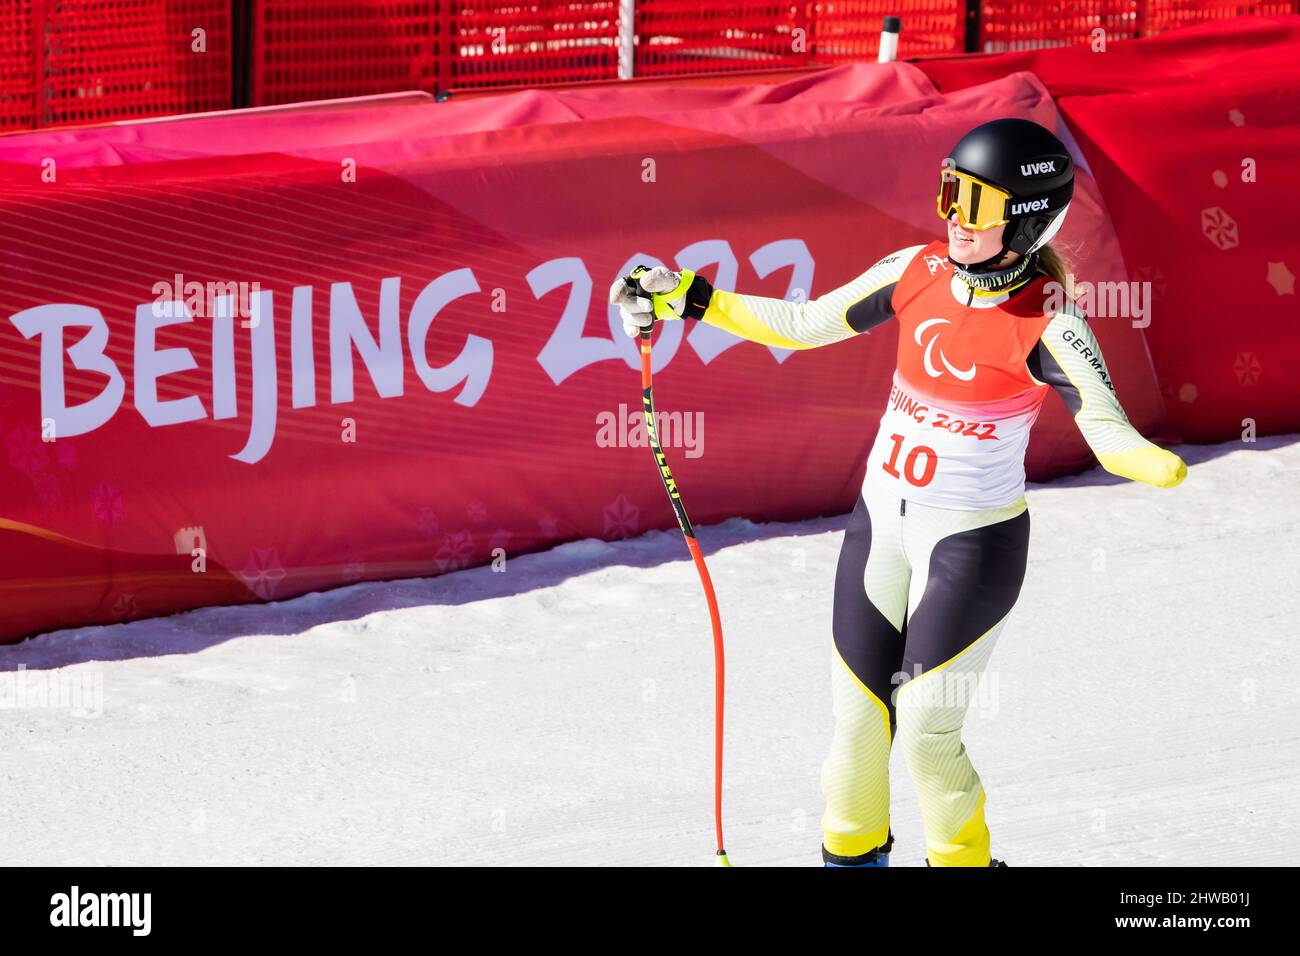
1068,358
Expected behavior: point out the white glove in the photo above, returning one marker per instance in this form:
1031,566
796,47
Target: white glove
634,296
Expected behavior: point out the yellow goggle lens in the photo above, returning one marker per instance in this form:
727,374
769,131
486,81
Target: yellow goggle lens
979,206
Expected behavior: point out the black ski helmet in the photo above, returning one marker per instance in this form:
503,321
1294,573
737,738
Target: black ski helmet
1033,166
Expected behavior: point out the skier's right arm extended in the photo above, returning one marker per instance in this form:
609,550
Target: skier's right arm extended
856,307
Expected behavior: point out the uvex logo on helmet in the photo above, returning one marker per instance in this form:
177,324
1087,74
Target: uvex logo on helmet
1038,169
1030,205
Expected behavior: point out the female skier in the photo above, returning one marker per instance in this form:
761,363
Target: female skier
934,553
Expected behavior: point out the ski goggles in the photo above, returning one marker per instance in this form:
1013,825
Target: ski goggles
979,205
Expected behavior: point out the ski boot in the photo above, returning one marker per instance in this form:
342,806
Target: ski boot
993,864
877,857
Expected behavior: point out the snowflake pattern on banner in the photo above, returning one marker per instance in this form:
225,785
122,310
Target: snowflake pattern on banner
426,522
1281,278
1219,227
455,551
26,451
621,518
263,572
125,608
107,503
1247,368
48,489
1153,275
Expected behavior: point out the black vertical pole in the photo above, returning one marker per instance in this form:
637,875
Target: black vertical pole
241,53
972,26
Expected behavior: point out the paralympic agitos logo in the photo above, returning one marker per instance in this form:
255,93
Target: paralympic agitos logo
930,347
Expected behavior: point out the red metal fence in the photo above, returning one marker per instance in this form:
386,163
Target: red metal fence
1005,25
503,43
686,36
85,61
1164,15
1018,25
18,69
88,61
322,49
847,30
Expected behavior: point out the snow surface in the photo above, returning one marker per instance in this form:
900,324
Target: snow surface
1143,706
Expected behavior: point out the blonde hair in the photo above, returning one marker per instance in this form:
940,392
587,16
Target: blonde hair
1051,261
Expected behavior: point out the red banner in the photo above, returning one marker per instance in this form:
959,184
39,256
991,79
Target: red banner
249,356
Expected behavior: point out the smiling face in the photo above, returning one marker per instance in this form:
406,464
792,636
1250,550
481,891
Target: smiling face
968,246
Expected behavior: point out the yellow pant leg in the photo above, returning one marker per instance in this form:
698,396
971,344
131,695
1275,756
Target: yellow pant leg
968,567
855,776
871,585
931,710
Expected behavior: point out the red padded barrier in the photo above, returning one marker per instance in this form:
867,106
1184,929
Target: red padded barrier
467,429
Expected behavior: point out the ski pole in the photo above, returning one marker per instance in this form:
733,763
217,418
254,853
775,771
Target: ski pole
719,668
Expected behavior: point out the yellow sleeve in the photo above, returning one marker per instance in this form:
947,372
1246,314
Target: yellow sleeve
856,307
1070,360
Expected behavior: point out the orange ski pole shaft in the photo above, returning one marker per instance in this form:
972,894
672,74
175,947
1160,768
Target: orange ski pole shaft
715,618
